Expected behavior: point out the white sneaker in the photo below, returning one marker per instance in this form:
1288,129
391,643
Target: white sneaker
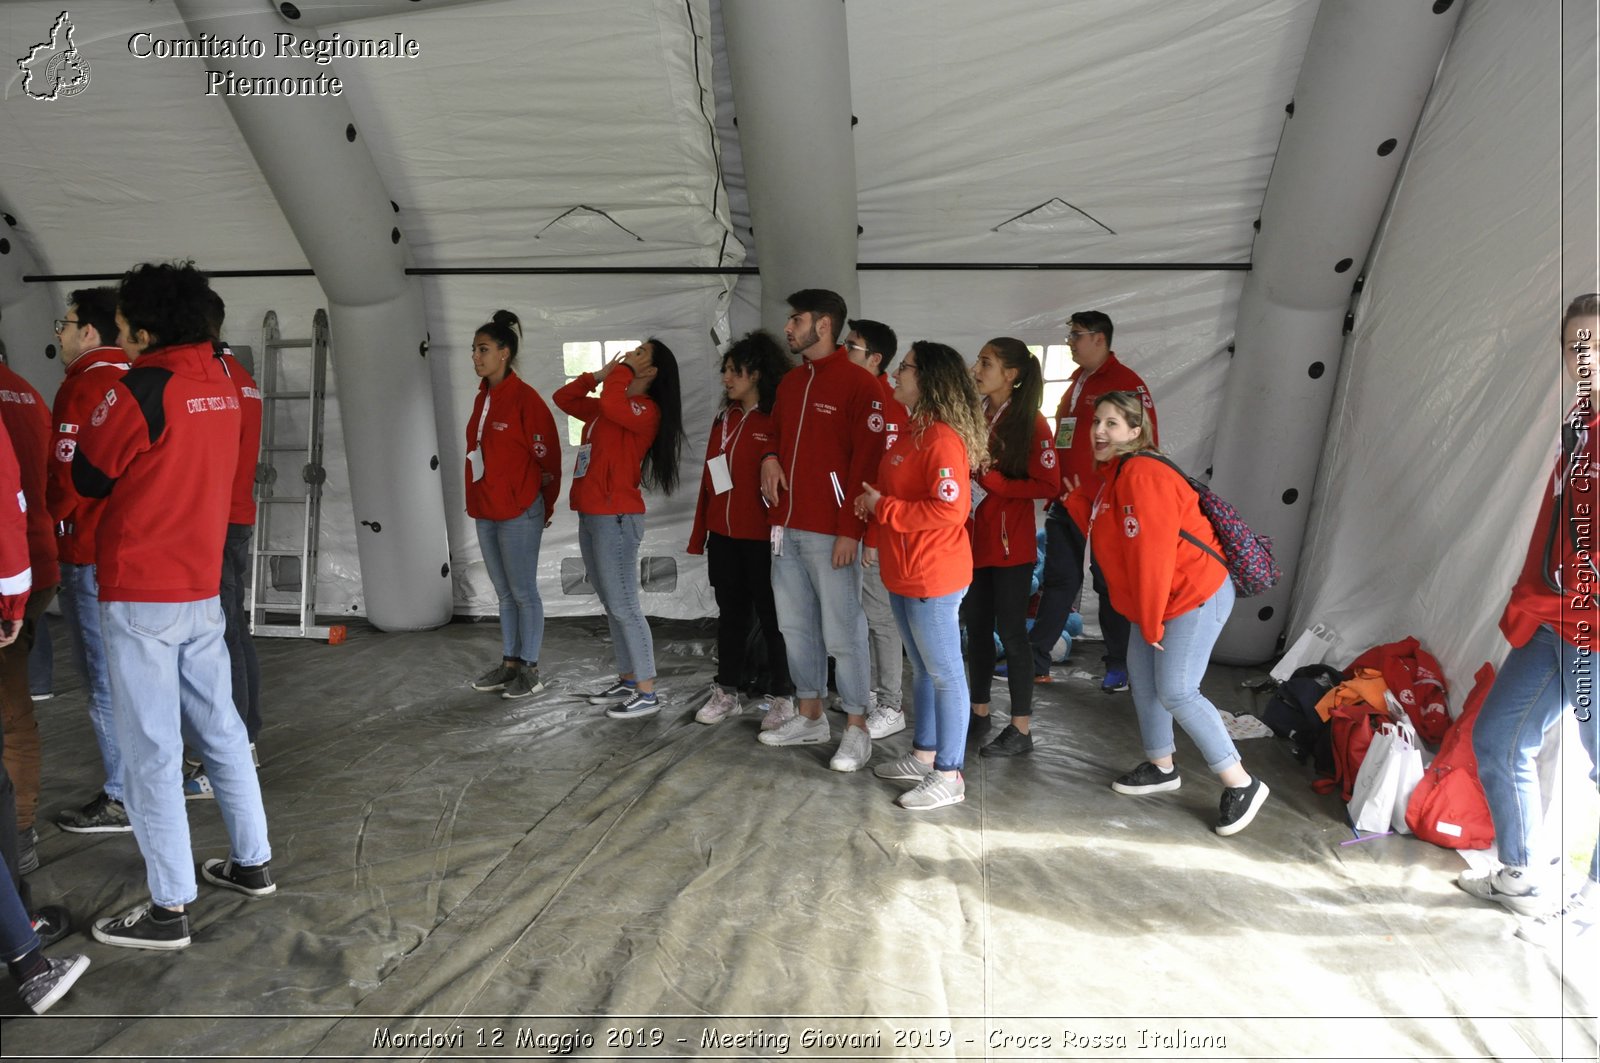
883,721
719,707
855,749
779,712
799,731
907,768
936,790
1573,925
1507,886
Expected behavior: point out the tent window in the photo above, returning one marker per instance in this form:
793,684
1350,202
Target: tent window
1056,360
587,356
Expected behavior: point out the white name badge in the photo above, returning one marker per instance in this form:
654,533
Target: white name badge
978,495
475,463
777,540
580,464
721,478
1065,430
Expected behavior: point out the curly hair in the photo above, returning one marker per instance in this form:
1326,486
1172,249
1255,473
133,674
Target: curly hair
169,301
946,393
759,353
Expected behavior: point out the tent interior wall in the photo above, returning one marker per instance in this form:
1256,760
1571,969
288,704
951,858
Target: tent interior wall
1011,133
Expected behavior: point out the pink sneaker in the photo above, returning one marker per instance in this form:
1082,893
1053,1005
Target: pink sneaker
780,712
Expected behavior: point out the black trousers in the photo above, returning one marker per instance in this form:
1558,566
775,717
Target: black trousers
997,603
740,571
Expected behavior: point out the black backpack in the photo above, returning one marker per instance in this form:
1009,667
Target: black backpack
1292,714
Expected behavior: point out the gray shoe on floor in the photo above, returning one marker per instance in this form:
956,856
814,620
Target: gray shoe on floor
495,678
855,749
936,790
522,685
907,769
101,815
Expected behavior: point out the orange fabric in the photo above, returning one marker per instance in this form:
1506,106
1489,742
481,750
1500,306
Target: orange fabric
922,517
1366,685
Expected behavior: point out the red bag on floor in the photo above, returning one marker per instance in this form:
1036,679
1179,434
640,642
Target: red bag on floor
1354,724
1448,807
1414,677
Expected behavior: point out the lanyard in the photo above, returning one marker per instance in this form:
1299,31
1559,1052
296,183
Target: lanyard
484,416
745,416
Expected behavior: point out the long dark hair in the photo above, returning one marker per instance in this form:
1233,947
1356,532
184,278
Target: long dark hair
757,352
660,469
1012,436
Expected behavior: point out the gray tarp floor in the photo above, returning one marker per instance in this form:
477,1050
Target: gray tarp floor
465,877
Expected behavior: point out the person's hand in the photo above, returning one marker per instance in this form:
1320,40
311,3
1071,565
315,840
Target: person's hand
10,629
867,501
1069,484
772,480
869,556
1158,646
844,551
639,359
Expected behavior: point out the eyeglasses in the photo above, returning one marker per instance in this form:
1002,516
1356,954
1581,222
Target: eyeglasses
863,348
1077,334
903,366
63,322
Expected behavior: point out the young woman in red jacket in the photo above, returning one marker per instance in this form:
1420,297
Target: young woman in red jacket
1160,559
1022,471
919,508
632,434
513,481
730,524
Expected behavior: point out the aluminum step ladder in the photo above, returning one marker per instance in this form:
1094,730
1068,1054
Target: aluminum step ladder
289,478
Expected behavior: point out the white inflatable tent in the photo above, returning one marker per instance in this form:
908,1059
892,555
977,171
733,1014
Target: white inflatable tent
1379,391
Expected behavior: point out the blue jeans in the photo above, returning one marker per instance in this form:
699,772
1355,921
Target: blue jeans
1533,688
609,543
1166,682
819,612
511,554
931,631
17,936
80,605
171,680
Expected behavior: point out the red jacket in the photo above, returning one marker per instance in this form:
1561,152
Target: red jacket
618,431
1003,529
88,379
1075,417
922,516
1558,585
161,448
16,577
27,418
242,508
895,417
823,417
1134,529
739,512
521,451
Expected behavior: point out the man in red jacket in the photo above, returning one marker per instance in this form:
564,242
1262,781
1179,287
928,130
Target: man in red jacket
161,448
827,448
27,418
86,339
1098,372
871,345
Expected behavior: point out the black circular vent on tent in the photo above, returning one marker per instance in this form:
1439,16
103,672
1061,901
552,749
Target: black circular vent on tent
433,462
394,236
1342,265
49,350
350,133
1265,613
1316,370
1290,497
1441,6
444,570
1387,146
289,10
5,246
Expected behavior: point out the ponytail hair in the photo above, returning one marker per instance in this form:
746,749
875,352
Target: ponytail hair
660,468
505,330
1012,437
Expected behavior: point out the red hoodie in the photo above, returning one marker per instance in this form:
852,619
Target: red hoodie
242,507
922,516
1152,572
618,431
739,512
161,449
27,418
521,451
1075,416
1558,585
895,418
88,379
16,578
1003,528
823,417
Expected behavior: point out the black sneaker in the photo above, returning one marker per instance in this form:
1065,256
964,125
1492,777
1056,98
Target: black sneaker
51,923
27,851
1147,779
495,678
140,928
52,983
251,881
617,692
1240,805
101,815
1008,743
978,727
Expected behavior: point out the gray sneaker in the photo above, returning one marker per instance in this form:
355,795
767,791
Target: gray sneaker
524,684
936,790
855,749
1510,887
799,731
907,768
495,678
101,815
51,984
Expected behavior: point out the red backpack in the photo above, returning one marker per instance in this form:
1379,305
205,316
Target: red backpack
1448,807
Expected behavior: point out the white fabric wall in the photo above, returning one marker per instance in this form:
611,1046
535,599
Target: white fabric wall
1452,392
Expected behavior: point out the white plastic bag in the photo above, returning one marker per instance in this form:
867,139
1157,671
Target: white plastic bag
1388,774
1312,647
